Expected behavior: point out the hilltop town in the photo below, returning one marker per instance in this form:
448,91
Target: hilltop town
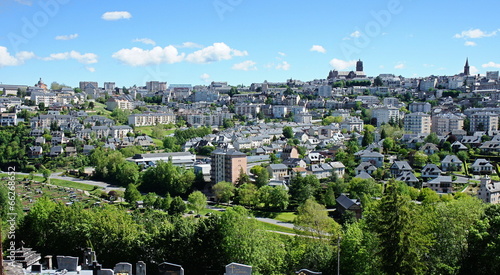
340,143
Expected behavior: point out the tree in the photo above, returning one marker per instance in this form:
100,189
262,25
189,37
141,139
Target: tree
132,194
288,132
378,81
368,138
243,178
388,144
303,188
177,206
127,173
403,241
247,194
227,123
419,159
197,201
167,178
273,197
261,175
432,138
313,219
224,191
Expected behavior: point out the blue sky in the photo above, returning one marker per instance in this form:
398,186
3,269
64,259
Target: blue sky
241,41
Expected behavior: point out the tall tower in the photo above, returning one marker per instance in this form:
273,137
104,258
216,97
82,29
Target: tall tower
466,67
359,66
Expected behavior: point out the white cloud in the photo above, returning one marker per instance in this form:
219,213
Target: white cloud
189,45
90,69
341,64
216,52
355,34
86,58
491,64
145,41
473,70
381,66
205,77
66,37
429,65
282,54
400,66
285,66
6,59
317,48
248,65
116,15
470,43
475,33
140,57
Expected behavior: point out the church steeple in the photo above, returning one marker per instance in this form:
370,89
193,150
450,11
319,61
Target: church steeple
466,67
359,66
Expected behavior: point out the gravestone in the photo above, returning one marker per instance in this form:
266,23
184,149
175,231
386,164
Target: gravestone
235,268
105,272
48,262
96,267
170,269
67,262
307,272
123,268
140,268
36,268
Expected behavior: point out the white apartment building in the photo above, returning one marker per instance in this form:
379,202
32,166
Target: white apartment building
150,119
483,121
120,103
46,98
418,123
247,109
386,114
424,107
446,123
352,124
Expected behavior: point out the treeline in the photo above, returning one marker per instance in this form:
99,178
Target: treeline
441,235
351,83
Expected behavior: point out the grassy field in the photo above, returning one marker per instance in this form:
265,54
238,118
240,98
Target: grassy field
280,216
273,227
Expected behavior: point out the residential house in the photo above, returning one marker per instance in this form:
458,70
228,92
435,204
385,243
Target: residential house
299,171
278,171
489,191
451,163
481,166
366,167
399,167
56,151
314,158
431,171
344,204
35,151
289,152
409,178
429,148
294,162
441,184
338,168
375,158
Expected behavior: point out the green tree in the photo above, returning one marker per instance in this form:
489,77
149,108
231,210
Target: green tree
368,138
247,195
177,206
313,219
420,159
197,201
378,81
303,188
432,138
261,175
403,239
132,194
388,144
288,132
224,191
127,173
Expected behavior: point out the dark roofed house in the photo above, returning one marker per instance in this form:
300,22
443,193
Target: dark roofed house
399,167
431,171
344,204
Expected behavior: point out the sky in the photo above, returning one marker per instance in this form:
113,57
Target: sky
196,42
